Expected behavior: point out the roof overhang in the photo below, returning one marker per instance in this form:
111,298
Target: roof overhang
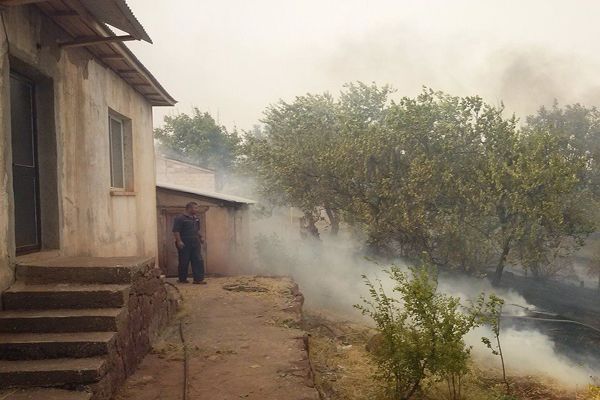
118,14
227,198
85,21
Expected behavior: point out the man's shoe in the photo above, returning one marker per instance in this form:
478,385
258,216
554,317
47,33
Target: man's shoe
185,281
203,282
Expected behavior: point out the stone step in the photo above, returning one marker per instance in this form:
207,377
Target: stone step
65,320
37,346
54,372
44,394
52,296
82,270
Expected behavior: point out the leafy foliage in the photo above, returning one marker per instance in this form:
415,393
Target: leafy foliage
197,139
421,333
491,315
449,176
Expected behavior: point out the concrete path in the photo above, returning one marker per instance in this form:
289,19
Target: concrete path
242,343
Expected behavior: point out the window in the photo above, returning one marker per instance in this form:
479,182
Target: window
121,157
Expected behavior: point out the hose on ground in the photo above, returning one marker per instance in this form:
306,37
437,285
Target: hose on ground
562,320
566,321
185,348
185,360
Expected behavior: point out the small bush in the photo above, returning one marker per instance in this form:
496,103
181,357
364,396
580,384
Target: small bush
421,333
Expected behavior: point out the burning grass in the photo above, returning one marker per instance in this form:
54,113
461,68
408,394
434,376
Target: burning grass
343,369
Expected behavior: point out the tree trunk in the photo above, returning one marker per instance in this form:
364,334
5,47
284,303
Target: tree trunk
502,359
412,390
500,266
535,270
333,220
311,226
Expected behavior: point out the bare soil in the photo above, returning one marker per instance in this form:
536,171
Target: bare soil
242,343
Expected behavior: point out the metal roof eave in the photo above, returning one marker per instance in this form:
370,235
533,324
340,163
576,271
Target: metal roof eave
75,10
202,193
87,27
117,14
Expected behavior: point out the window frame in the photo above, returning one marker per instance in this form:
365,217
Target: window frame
112,117
127,154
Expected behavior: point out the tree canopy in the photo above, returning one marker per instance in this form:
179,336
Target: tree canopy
448,176
198,139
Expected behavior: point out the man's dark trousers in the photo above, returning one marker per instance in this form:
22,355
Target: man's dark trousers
191,253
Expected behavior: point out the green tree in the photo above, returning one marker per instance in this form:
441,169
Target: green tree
445,175
577,129
534,188
451,176
573,131
289,157
198,139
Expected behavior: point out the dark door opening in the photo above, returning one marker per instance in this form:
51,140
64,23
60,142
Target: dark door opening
25,165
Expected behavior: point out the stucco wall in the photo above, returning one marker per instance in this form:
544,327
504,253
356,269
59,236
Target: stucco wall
182,174
6,256
91,221
227,231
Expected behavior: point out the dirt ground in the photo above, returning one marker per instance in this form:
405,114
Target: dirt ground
243,342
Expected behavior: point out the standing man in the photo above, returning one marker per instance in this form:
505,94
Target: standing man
186,228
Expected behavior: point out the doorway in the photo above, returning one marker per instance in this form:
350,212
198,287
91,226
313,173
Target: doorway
25,169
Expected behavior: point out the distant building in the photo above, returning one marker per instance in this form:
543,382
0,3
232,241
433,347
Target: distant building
184,174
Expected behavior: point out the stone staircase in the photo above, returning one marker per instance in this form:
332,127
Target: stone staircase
74,328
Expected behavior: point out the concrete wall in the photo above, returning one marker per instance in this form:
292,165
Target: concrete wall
90,218
227,230
6,211
182,174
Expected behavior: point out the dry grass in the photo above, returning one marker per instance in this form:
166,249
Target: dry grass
343,370
591,393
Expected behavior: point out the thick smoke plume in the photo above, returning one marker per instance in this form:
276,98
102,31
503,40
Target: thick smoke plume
329,274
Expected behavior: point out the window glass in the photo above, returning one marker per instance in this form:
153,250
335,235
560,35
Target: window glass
21,103
116,153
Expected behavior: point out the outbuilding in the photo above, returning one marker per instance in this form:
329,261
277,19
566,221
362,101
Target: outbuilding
224,223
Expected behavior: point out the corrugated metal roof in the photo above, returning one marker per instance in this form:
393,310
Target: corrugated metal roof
213,195
118,14
84,19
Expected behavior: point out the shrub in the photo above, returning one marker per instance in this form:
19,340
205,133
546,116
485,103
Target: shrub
421,333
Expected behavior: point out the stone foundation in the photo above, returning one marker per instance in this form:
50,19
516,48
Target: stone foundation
149,308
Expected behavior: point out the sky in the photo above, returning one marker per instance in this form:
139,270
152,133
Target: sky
233,58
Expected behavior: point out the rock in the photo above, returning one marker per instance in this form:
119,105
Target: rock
241,287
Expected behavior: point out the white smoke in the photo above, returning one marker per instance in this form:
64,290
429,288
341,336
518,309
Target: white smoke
530,352
329,272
